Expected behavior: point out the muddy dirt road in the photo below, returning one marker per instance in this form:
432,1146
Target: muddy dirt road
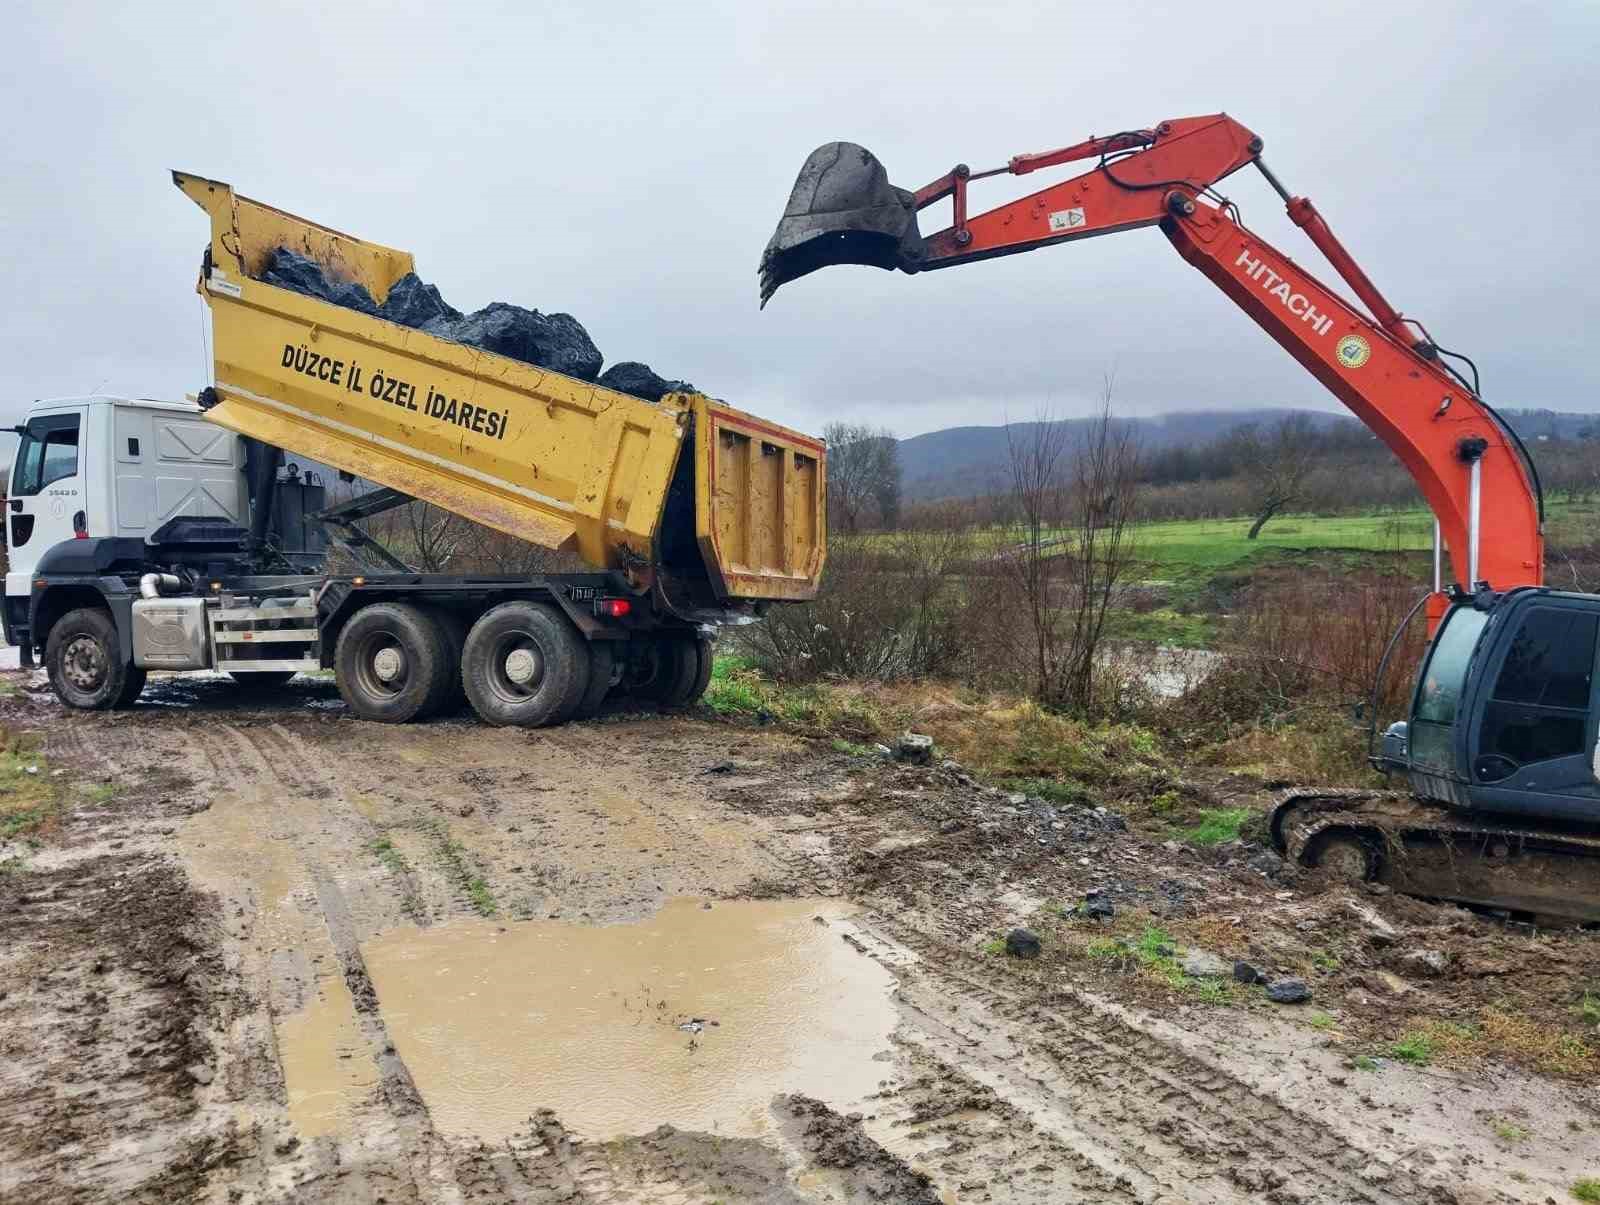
261,952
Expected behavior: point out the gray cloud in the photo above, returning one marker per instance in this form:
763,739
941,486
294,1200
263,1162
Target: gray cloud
627,163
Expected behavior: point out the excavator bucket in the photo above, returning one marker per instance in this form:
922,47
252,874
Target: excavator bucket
843,210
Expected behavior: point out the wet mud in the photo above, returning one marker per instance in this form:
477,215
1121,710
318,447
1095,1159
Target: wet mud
264,953
697,1016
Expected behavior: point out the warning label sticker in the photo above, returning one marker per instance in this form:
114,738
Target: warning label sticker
1066,219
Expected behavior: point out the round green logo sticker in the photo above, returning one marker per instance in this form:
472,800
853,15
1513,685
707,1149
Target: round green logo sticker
1353,351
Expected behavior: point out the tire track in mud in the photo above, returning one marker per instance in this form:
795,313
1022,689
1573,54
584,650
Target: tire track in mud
1146,1109
288,799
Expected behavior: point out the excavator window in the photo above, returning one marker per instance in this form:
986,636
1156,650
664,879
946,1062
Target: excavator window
1539,708
1432,728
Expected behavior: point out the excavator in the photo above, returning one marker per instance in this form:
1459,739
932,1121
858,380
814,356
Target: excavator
1501,804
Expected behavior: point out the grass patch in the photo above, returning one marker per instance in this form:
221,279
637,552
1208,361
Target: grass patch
1415,1048
1157,956
27,792
1052,790
1587,1189
453,857
1163,626
102,792
735,688
1210,991
1547,1048
1589,1008
384,850
1364,1062
395,863
1320,1020
1104,949
1218,825
995,946
1510,1131
850,748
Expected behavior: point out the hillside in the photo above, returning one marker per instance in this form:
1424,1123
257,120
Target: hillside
967,461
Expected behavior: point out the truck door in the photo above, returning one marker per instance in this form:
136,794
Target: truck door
48,498
1534,746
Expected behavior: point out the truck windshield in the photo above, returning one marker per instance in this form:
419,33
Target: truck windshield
1439,692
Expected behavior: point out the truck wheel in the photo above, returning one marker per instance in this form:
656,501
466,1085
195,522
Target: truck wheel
388,662
525,665
602,662
132,686
251,679
85,664
673,672
704,655
453,628
691,672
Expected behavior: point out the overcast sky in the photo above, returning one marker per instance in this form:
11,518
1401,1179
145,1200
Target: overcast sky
626,163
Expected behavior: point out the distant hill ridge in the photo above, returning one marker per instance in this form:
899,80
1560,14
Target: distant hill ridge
961,462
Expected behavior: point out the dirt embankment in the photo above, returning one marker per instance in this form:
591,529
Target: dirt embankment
231,927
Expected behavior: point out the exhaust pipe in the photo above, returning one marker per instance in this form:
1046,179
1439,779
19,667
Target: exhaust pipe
843,210
152,584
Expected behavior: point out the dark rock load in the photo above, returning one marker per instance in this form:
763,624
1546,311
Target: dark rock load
554,341
636,379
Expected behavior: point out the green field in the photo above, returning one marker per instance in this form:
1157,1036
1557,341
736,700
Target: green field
1215,544
1195,563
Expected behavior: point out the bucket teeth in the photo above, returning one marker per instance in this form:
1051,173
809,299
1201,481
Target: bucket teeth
843,210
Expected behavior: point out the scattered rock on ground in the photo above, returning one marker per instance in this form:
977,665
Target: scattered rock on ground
1288,991
1097,907
1246,972
1385,983
914,748
1379,930
1425,962
1203,964
1023,943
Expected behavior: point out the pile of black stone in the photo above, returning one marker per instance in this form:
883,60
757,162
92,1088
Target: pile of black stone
554,341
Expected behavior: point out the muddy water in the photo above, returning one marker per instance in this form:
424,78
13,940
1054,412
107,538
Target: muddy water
495,1022
327,1068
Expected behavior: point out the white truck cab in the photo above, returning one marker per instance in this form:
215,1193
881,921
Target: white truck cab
112,466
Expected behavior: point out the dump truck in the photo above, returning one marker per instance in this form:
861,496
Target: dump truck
164,552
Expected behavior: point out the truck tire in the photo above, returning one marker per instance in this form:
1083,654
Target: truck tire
693,658
524,665
252,679
84,661
602,663
705,651
452,627
388,662
673,671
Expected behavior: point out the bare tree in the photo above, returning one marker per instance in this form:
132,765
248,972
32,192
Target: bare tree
1075,501
1278,463
863,476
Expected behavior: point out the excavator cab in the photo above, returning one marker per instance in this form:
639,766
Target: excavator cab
842,210
1504,716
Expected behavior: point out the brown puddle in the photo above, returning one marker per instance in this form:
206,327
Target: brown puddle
326,1066
495,1022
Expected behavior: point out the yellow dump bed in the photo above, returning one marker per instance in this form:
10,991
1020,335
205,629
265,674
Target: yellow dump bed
545,457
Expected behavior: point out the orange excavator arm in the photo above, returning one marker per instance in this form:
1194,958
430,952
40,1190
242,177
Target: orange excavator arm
1470,466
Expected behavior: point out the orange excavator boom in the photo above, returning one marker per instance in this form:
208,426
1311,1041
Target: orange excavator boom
1469,464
